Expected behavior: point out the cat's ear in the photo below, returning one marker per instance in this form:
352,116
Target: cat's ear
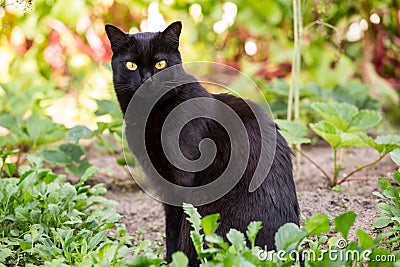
118,38
172,32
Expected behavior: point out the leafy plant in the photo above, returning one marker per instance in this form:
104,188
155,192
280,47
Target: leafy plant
72,155
312,243
389,209
22,115
277,93
43,218
342,126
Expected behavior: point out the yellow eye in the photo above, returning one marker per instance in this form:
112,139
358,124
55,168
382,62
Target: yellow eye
161,64
131,66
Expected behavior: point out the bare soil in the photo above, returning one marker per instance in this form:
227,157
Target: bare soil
144,216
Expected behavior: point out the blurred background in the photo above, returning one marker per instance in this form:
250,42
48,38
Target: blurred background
55,57
59,47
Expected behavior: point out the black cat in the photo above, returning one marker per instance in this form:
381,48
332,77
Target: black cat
139,57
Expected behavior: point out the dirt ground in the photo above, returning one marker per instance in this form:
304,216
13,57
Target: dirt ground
145,219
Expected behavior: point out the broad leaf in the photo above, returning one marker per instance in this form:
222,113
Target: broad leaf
210,223
318,223
344,222
363,120
382,222
328,132
179,259
293,132
237,239
9,168
337,114
78,132
288,236
395,155
350,140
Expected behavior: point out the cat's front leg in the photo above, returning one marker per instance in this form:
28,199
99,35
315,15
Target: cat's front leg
173,217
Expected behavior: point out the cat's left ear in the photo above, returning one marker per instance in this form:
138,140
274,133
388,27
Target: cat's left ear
173,31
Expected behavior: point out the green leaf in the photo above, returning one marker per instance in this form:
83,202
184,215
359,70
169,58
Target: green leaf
288,236
73,151
252,230
216,239
4,254
293,132
92,170
78,132
384,184
363,120
395,155
108,107
328,132
318,223
9,168
237,239
210,223
35,127
382,222
55,156
364,239
350,140
193,216
195,220
8,121
338,115
179,259
396,177
388,139
380,253
95,240
344,222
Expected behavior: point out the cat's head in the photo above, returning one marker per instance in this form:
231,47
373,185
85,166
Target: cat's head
137,57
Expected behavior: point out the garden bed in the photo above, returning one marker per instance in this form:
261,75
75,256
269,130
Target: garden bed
144,216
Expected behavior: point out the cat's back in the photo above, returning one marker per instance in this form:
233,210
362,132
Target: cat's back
249,112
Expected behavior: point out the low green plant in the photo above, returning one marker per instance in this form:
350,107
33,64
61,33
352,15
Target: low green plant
72,155
389,209
22,115
342,126
45,219
314,243
28,135
277,93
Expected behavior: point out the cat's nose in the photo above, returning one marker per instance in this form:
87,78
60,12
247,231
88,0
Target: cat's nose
145,76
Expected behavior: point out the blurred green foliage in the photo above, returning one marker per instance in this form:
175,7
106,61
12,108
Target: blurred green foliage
65,42
55,71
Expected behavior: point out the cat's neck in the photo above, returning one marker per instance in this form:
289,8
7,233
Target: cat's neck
190,89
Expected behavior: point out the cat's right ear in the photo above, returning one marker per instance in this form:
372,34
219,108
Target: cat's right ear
118,38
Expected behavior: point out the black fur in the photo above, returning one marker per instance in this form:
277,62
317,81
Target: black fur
274,203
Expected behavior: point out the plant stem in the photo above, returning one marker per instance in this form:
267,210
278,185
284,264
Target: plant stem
335,168
315,164
362,167
18,162
361,179
341,155
295,74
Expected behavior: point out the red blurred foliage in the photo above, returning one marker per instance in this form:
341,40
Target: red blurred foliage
66,42
269,72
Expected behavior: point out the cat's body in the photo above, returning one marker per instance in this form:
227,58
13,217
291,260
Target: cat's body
274,203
